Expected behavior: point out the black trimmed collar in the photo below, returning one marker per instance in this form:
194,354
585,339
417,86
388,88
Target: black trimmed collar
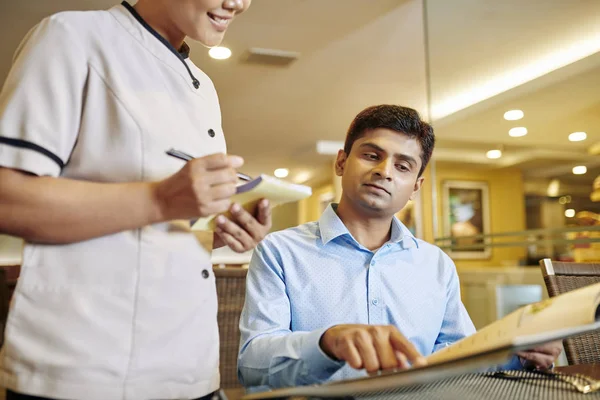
183,52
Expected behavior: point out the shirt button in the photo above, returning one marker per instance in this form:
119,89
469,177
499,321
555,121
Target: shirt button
211,133
373,262
205,274
375,302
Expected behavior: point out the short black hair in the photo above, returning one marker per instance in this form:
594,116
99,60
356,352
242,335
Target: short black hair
397,118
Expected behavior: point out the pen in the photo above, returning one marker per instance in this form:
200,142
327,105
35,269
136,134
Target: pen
186,157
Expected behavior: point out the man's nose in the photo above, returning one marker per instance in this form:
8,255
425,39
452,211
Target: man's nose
384,169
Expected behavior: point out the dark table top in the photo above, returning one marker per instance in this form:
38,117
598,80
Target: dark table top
475,385
591,370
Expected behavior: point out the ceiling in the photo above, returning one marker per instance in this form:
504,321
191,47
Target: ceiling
484,57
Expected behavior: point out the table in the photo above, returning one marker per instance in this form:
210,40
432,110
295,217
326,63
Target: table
591,370
519,385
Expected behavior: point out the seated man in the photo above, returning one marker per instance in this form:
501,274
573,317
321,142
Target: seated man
355,292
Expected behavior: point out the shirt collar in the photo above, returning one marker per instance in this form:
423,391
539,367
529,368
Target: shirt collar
401,234
331,227
184,51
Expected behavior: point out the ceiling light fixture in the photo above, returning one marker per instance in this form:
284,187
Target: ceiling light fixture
569,213
282,172
494,154
219,53
509,78
513,115
553,188
577,136
580,170
518,131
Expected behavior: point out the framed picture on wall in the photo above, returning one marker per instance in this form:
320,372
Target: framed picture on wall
412,216
466,214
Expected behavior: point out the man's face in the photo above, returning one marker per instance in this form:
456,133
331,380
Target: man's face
206,20
380,174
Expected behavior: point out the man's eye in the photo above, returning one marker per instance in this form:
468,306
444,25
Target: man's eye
371,156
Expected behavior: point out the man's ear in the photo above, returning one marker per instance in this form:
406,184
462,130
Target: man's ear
340,162
417,187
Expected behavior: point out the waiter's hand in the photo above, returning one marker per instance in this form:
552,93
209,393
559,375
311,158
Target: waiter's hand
203,187
244,230
372,347
541,357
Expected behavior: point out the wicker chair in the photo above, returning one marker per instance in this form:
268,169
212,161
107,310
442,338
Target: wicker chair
4,300
231,290
561,277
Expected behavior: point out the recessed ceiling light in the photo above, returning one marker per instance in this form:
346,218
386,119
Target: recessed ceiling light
580,170
518,131
577,136
569,213
513,115
281,172
219,53
553,188
493,154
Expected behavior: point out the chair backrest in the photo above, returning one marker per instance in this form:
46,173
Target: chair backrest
4,301
561,277
231,291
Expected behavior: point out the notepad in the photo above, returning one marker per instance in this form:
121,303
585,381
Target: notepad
248,195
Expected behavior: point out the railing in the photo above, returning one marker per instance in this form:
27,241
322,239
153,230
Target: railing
579,235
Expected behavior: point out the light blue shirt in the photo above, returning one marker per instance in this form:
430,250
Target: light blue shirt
303,280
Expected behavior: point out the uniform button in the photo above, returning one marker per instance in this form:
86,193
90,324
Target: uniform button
211,133
205,274
375,302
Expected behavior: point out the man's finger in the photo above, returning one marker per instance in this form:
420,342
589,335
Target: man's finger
350,354
540,360
402,360
385,351
364,345
400,343
551,349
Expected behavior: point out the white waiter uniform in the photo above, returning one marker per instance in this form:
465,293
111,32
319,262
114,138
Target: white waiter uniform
99,96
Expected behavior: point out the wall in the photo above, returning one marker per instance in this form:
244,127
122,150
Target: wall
285,216
310,209
507,206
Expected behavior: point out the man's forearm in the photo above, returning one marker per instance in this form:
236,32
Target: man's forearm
56,210
282,360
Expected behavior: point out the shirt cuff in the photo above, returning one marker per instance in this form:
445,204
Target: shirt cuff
318,364
514,364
